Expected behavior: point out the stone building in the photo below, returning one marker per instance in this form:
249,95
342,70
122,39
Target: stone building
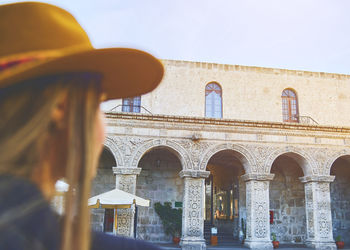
234,146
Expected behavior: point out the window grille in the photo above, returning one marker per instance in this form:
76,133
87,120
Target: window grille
213,100
132,104
290,110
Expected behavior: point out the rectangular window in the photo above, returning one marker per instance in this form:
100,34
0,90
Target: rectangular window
132,104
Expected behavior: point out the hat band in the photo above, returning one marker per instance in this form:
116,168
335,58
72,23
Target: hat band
9,64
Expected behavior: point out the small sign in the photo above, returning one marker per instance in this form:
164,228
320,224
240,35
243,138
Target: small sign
214,230
178,204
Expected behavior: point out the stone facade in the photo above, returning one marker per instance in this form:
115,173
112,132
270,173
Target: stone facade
285,166
340,200
248,93
159,181
287,201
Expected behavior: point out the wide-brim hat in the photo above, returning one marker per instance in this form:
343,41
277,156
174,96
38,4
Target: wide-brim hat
39,39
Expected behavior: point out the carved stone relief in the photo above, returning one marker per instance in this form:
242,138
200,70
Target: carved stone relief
196,150
309,168
114,148
127,145
124,221
248,159
194,209
332,156
126,183
324,226
149,144
318,210
260,152
260,219
193,203
257,202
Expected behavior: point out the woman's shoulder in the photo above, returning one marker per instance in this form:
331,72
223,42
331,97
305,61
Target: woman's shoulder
102,241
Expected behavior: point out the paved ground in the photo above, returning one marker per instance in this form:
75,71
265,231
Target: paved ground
239,246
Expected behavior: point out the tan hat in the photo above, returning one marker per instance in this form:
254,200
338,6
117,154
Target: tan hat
38,39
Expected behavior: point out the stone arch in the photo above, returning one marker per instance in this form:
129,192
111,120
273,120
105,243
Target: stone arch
113,148
244,156
179,151
305,161
333,158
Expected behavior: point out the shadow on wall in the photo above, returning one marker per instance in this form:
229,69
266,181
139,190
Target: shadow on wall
340,199
287,201
158,181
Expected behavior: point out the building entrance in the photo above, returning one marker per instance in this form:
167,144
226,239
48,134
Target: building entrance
225,197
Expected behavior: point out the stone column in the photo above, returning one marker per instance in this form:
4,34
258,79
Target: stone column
318,212
193,210
125,179
258,217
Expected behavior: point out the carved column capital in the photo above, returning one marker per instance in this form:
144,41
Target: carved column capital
194,174
257,177
317,178
126,171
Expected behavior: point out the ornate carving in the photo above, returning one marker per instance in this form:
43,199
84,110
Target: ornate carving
310,225
113,147
257,209
194,209
321,155
260,219
309,203
124,216
195,150
309,167
260,152
318,210
126,183
172,145
126,146
332,156
246,158
324,226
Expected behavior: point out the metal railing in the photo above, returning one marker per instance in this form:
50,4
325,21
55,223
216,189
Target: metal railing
119,108
306,120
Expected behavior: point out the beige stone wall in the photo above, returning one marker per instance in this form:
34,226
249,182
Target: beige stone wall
159,181
287,201
249,93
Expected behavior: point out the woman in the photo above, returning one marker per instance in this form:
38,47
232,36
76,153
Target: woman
51,84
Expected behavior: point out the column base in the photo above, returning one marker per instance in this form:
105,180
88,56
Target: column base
195,244
257,244
328,245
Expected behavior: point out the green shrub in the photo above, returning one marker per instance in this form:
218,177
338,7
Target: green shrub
170,217
338,238
274,238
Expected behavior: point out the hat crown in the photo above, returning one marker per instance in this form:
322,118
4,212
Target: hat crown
31,27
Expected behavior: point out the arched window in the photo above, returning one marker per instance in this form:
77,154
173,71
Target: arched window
213,100
132,104
290,106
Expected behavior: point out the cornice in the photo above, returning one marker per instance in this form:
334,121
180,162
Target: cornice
222,123
241,68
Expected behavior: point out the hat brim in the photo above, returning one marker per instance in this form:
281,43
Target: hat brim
126,72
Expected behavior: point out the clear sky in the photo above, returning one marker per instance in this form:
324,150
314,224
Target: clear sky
294,34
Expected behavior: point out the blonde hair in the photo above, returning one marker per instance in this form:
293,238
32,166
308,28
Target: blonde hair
27,132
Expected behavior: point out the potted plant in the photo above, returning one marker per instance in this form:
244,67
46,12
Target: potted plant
171,219
275,243
339,242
